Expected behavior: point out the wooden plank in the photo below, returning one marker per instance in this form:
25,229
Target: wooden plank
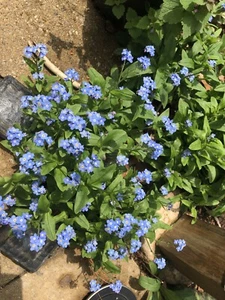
203,259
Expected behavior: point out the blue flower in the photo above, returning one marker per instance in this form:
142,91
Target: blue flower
94,286
64,237
37,242
71,74
144,226
184,71
188,123
86,207
33,206
119,196
14,136
186,153
144,61
122,160
59,93
72,146
38,76
112,225
27,164
90,90
73,179
210,19
91,246
212,63
150,49
175,79
116,287
36,102
180,244
191,77
126,55
167,173
164,190
9,201
145,175
38,189
170,126
88,164
41,137
135,246
42,50
113,254
96,119
161,263
74,122
29,51
158,149
18,225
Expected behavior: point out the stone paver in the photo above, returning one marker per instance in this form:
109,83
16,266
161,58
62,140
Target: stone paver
65,276
8,270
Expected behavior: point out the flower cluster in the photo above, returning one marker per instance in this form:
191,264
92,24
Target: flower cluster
144,61
71,74
117,254
15,136
170,126
145,175
72,146
145,91
116,286
41,137
38,75
33,205
150,49
127,56
88,164
96,119
94,91
164,190
139,194
37,242
37,188
27,164
74,122
18,224
94,286
175,79
161,263
122,160
135,245
59,93
73,179
36,102
91,246
180,244
39,49
64,237
167,173
158,149
86,207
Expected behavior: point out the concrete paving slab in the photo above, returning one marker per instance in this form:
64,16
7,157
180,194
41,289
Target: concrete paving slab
66,276
8,270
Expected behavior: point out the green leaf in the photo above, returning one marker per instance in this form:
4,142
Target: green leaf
81,198
135,70
111,267
59,175
190,24
150,284
211,172
196,145
115,138
43,204
153,267
101,175
96,78
143,23
168,294
171,11
48,167
118,10
49,226
186,61
131,14
82,221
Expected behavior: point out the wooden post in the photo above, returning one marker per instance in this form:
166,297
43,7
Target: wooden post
203,259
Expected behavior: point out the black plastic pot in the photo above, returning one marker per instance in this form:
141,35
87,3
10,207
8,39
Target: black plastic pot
18,250
11,91
106,293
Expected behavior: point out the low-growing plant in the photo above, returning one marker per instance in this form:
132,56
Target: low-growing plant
95,165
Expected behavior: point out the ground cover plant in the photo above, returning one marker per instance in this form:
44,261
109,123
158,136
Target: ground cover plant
95,164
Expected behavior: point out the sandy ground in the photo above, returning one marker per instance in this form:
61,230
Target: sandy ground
72,29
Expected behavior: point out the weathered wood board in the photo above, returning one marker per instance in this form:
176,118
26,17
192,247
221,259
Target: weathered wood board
203,259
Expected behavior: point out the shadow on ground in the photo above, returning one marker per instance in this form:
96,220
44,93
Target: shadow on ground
12,290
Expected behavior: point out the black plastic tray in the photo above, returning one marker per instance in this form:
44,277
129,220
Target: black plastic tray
18,250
